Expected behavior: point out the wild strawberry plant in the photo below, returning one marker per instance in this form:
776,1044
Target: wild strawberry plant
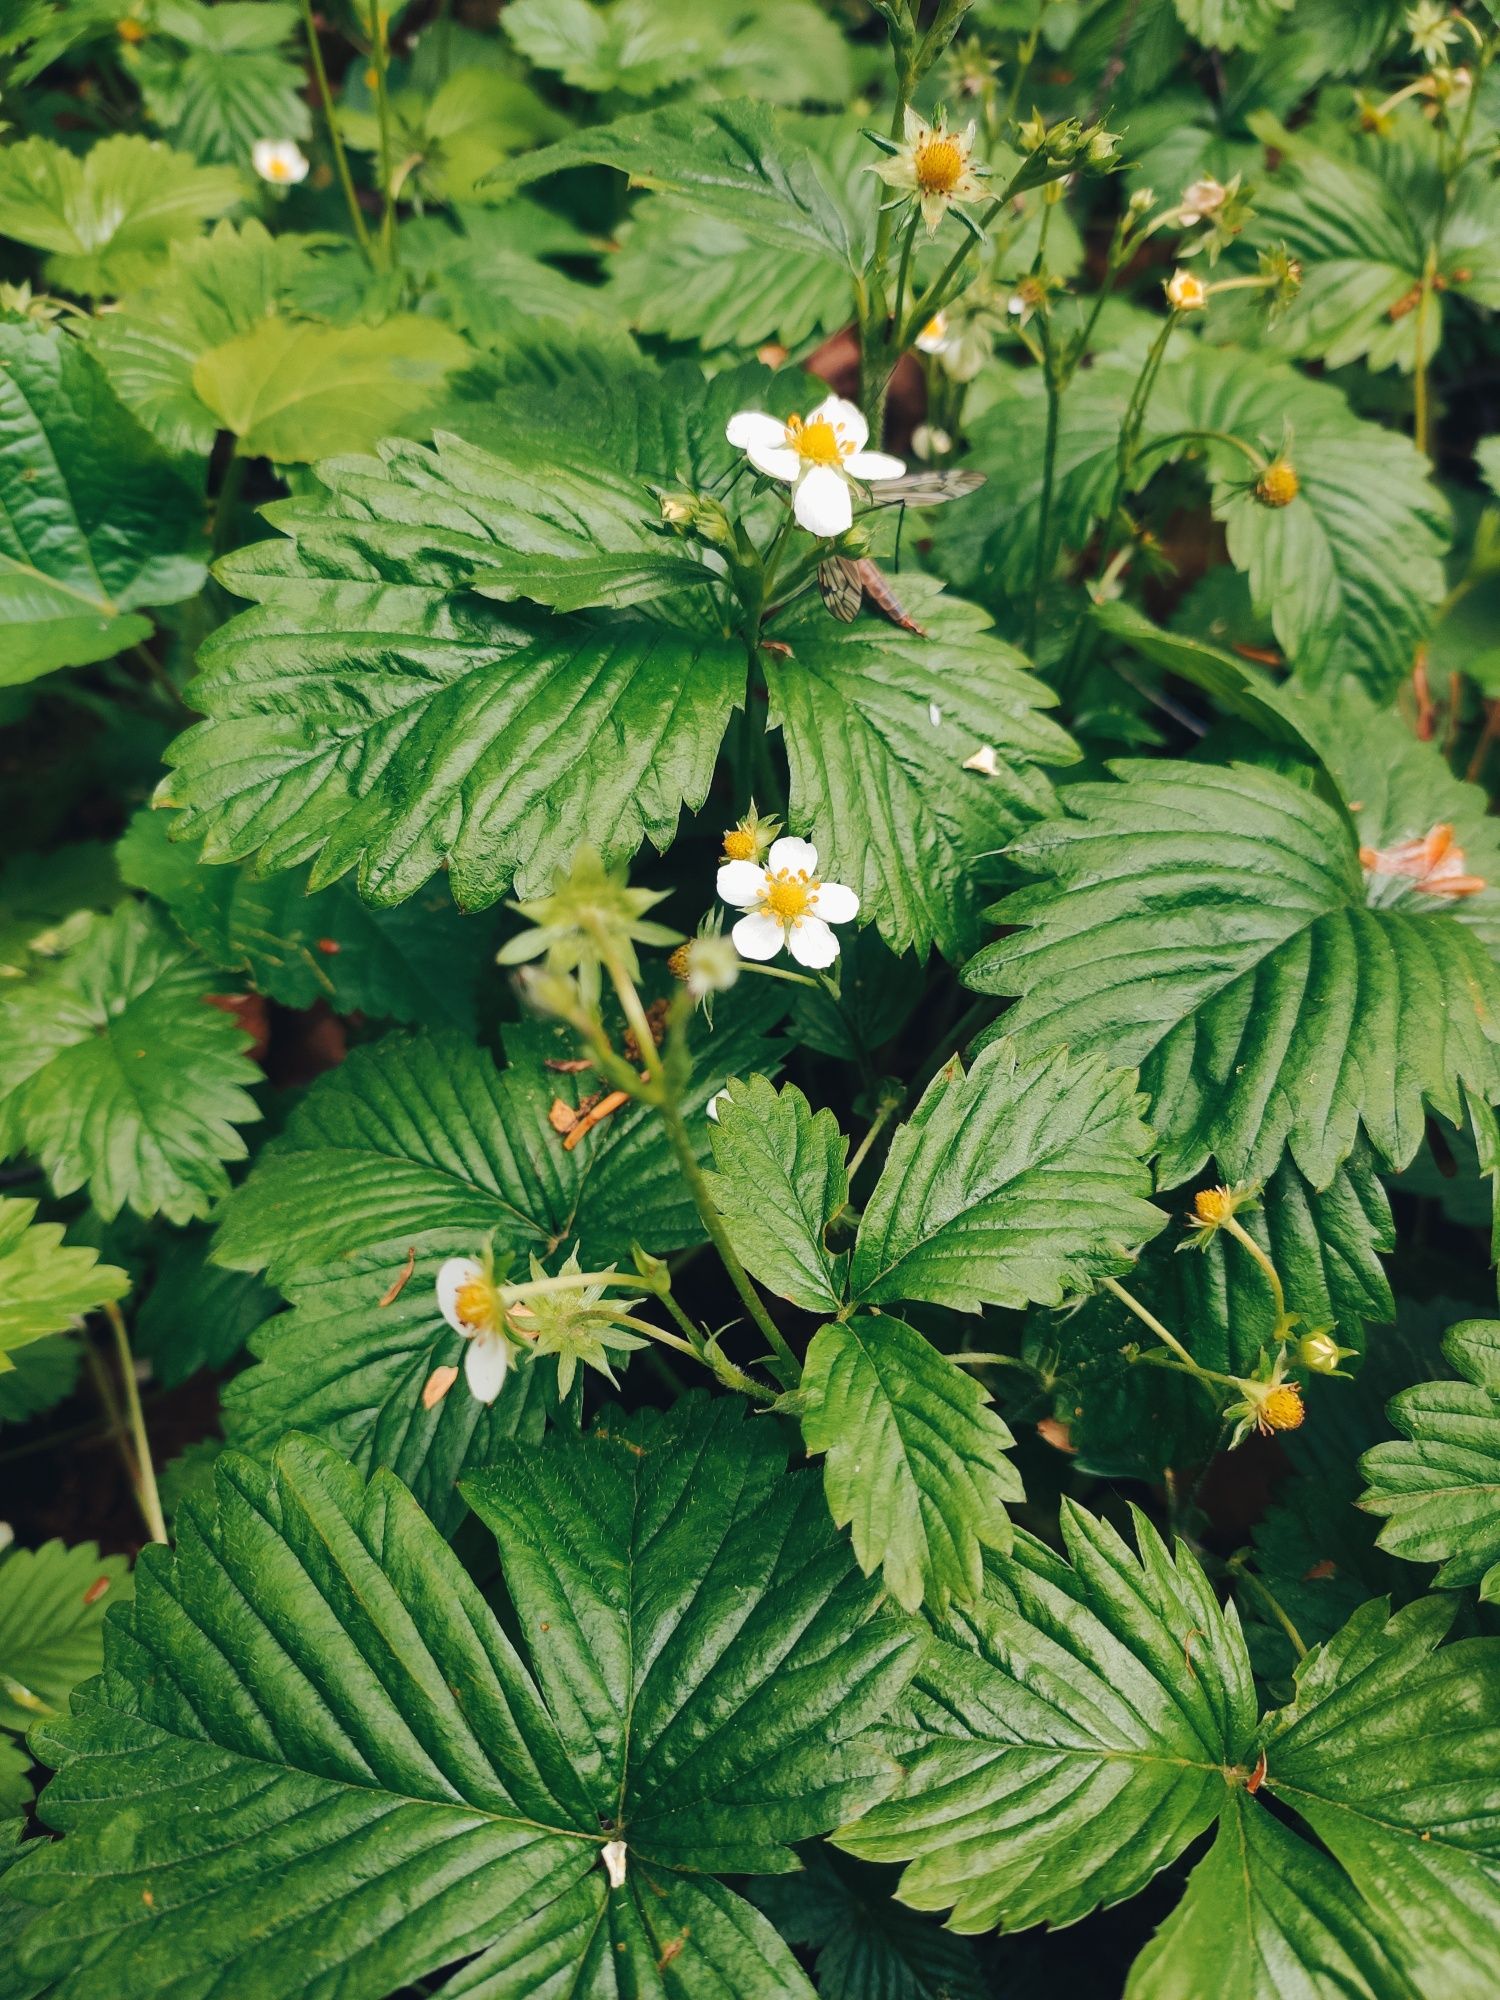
749,999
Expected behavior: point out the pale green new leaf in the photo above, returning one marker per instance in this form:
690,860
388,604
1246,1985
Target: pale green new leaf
915,1465
46,1284
52,1605
352,1773
878,726
1266,1916
1234,24
423,1134
782,50
95,521
730,159
105,218
782,1179
1215,926
295,391
1068,1735
1388,1753
1439,1493
117,1075
1022,1180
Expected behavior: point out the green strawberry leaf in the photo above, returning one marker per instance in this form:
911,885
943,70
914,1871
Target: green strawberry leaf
98,520
781,1181
1234,24
915,1458
52,1605
216,79
197,1314
1437,1492
45,1284
117,1075
1215,926
321,1707
867,1947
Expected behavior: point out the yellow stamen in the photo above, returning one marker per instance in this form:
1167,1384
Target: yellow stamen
820,442
1278,485
789,896
739,844
1213,1205
1282,1410
475,1305
938,163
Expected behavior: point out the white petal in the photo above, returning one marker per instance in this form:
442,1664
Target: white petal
776,461
485,1365
748,427
742,884
934,714
835,903
917,126
984,761
759,936
875,465
843,416
811,942
821,502
711,1109
800,856
451,1278
612,1854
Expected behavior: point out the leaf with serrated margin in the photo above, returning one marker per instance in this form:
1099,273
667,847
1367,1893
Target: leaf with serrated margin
867,1947
52,1605
45,1283
318,1753
1214,925
1439,1493
781,1181
916,1463
1020,1181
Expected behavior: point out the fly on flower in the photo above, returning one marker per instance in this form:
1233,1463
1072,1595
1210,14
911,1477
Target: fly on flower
819,456
786,904
935,166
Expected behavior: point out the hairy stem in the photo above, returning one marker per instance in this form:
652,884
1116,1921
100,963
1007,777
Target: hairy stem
145,1471
335,138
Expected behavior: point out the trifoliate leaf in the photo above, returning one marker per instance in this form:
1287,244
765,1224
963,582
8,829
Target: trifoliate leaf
781,1181
1234,24
116,1074
197,1314
213,288
867,1947
418,963
1437,1492
1068,1736
878,726
424,1134
216,79
916,1464
1350,571
1215,926
730,159
452,131
1386,1754
353,1364
295,391
45,1284
52,1605
106,217
98,521
1021,1181
317,1701
1265,1916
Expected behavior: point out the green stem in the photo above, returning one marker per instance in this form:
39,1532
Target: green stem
1044,518
567,1281
145,1471
1242,1236
904,270
340,157
878,1123
1267,1597
226,504
383,112
1247,451
1164,1334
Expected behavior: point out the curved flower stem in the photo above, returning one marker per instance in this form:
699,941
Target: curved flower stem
905,267
888,1108
1241,1235
382,55
568,1281
1164,1334
145,1471
719,1365
335,137
1238,1569
1042,567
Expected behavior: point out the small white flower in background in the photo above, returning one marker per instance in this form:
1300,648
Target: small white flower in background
612,1854
984,761
280,161
934,336
818,456
1186,293
787,905
936,166
1203,198
931,441
712,1107
470,1302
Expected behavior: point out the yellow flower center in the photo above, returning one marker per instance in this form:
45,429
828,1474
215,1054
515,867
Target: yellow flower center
130,31
1278,485
820,442
789,896
938,163
739,844
1282,1410
277,170
475,1305
1213,1205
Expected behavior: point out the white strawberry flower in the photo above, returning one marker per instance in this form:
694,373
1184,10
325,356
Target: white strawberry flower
470,1302
786,904
936,166
933,338
819,457
280,161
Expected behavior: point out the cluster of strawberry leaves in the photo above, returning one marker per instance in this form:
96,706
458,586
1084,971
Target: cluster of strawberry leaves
339,614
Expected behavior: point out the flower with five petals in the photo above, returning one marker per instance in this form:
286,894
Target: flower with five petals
282,162
469,1299
786,903
819,456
